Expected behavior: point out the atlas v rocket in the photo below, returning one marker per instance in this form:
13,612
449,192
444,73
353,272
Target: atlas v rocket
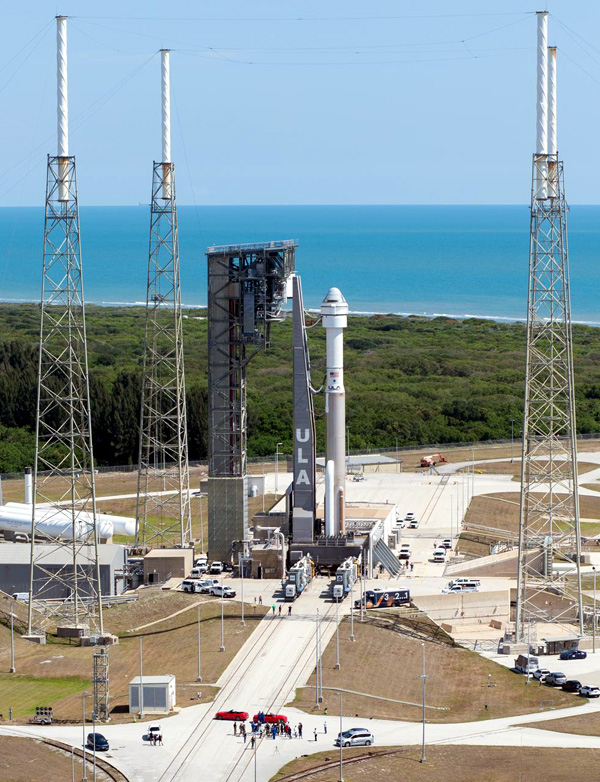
334,311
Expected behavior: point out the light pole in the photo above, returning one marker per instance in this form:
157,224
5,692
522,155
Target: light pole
424,679
94,745
241,566
337,634
84,772
199,676
512,439
594,617
352,612
141,698
348,443
201,526
255,751
397,462
362,596
222,647
341,742
277,467
72,764
528,648
12,643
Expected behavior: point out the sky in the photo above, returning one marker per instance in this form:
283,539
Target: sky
299,102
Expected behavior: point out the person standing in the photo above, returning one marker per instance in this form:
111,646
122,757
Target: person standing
412,566
300,729
279,610
274,607
274,732
234,728
325,728
290,610
252,741
260,600
315,733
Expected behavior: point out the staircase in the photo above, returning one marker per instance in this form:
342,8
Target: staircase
383,555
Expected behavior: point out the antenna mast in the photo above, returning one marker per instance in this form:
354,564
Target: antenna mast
163,498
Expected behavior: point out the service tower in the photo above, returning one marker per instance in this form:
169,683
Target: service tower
334,310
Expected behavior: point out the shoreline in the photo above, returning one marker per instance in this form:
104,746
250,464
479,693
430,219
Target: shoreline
315,310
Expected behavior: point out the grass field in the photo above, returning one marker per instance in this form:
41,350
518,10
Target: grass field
169,647
454,764
24,693
24,760
582,725
385,660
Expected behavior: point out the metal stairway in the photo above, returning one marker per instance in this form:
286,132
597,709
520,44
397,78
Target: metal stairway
382,554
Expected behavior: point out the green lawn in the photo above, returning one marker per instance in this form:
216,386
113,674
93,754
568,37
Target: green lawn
24,693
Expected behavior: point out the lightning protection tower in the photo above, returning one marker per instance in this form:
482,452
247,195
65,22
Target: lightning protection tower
549,514
65,575
163,498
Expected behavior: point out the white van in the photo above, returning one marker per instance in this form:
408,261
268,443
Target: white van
458,588
465,580
190,585
198,571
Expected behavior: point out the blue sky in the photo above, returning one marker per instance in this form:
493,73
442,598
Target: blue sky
300,102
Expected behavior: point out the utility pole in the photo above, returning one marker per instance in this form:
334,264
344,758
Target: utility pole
594,617
512,440
84,759
222,647
277,468
337,634
352,612
141,692
424,680
341,779
241,560
12,643
199,676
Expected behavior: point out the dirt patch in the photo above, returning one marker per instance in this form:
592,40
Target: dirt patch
169,647
22,760
462,684
451,764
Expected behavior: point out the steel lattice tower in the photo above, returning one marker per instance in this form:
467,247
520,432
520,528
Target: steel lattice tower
549,513
163,506
64,463
101,688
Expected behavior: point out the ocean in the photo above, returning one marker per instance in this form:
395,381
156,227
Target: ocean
428,260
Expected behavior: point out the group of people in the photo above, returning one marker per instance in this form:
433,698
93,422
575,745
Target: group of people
260,730
274,609
156,739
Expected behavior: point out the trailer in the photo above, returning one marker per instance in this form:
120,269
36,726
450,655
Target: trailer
345,578
384,598
299,577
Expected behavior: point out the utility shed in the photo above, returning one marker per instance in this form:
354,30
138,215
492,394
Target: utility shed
15,565
161,564
158,694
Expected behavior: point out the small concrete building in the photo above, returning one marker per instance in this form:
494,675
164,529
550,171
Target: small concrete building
15,561
161,564
158,694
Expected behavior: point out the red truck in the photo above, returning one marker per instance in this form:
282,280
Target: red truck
431,461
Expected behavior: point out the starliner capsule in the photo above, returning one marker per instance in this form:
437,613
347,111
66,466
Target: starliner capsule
334,311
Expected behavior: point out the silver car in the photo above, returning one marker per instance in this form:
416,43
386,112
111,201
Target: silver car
355,737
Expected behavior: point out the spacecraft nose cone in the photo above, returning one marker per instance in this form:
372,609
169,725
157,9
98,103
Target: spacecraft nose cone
334,297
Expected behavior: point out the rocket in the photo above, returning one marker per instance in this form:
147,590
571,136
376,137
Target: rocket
334,311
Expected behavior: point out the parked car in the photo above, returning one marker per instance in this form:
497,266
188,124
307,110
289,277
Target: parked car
409,516
272,718
413,524
216,567
400,523
198,571
205,586
232,714
153,730
573,654
201,560
404,552
222,591
572,685
97,741
456,588
555,679
446,543
357,478
439,555
541,673
355,737
589,691
191,585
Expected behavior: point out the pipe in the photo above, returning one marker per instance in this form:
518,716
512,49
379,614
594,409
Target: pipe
62,96
28,486
541,145
552,125
329,499
165,69
342,511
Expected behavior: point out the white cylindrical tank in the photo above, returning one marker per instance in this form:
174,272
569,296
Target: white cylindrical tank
552,125
28,486
120,525
334,311
62,107
51,523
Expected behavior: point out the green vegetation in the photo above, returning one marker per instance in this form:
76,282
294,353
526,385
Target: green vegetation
414,380
23,693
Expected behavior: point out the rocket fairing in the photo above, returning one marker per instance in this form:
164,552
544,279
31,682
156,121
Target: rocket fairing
334,311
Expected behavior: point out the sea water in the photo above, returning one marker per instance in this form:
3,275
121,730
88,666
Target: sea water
430,260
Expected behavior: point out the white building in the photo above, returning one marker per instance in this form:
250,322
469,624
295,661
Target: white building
158,694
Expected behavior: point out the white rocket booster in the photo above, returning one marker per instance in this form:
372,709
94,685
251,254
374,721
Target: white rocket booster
334,310
16,517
